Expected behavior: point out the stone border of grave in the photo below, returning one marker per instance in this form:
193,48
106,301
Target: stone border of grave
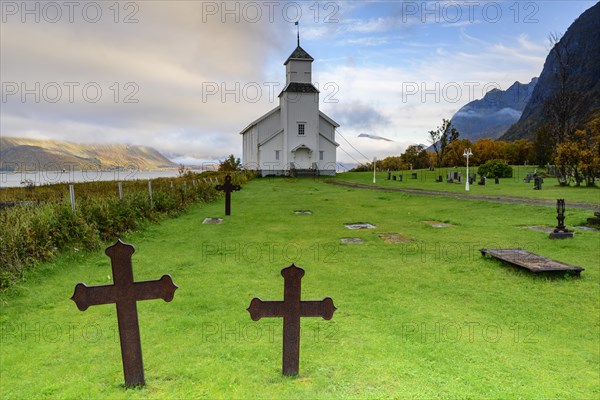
212,221
359,225
395,238
438,224
352,240
302,212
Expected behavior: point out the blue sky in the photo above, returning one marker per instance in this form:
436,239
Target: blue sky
187,76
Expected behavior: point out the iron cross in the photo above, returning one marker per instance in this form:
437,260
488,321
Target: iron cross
124,292
228,188
291,309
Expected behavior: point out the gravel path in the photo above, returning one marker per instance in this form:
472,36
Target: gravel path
495,199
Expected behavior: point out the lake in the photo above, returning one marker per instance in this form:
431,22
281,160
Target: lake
15,179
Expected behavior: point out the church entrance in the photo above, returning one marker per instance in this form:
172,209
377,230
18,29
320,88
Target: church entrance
302,158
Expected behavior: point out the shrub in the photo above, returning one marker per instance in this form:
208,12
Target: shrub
493,168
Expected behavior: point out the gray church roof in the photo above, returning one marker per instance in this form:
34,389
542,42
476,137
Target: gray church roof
297,87
299,54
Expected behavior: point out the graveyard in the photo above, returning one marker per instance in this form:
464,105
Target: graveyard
419,311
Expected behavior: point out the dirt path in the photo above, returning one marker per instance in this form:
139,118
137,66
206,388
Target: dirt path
495,199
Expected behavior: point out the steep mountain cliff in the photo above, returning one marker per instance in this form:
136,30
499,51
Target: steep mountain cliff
491,116
579,63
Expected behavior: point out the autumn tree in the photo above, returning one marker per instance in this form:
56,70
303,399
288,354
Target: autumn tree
415,155
454,156
441,138
230,164
579,157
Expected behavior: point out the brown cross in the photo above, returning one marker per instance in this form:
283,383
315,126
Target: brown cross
291,309
125,293
228,188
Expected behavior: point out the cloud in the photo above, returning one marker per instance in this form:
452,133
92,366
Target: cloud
357,115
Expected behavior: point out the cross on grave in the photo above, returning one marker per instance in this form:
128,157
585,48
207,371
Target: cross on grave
228,188
125,292
291,309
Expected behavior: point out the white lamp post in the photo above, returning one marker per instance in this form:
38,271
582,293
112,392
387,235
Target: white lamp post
374,161
468,153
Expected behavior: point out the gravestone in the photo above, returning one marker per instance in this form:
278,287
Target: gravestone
482,181
537,183
394,177
439,179
291,309
389,175
302,212
125,293
414,175
460,177
528,178
400,178
496,180
227,187
449,177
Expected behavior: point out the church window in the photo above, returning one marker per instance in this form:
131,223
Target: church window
301,129
321,155
277,155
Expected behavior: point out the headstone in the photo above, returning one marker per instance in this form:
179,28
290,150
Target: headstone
439,179
496,180
460,177
528,178
389,175
125,293
537,183
449,177
351,241
228,188
482,181
400,178
212,221
291,309
414,175
394,177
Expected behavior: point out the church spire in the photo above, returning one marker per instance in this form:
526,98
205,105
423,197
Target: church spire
297,23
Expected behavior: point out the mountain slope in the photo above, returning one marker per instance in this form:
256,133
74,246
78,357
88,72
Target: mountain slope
582,41
54,155
491,116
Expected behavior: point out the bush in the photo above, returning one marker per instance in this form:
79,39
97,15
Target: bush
493,168
45,224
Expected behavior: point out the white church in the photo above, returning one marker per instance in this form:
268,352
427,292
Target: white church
294,138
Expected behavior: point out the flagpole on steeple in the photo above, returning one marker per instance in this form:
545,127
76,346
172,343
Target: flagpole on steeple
298,25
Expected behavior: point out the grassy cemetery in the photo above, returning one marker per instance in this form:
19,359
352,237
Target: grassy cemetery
420,312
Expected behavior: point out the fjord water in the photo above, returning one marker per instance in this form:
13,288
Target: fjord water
16,179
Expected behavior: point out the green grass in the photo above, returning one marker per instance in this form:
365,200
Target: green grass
514,186
426,319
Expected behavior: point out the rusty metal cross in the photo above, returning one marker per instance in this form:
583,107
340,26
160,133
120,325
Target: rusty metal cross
228,188
125,293
291,309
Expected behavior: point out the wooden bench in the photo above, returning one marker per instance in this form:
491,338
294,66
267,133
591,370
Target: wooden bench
532,262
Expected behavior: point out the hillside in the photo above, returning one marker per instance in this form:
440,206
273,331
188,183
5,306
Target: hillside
582,42
18,154
491,116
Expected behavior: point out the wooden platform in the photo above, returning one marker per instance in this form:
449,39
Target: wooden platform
532,262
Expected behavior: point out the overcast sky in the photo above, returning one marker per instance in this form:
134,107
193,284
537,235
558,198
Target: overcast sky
185,77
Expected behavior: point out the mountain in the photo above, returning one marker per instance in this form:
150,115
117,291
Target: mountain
20,154
582,43
374,137
491,116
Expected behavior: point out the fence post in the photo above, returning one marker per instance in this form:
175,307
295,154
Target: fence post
120,184
150,192
72,196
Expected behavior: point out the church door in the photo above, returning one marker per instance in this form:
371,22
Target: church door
302,158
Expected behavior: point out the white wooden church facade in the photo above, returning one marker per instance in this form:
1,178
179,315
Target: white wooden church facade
295,137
